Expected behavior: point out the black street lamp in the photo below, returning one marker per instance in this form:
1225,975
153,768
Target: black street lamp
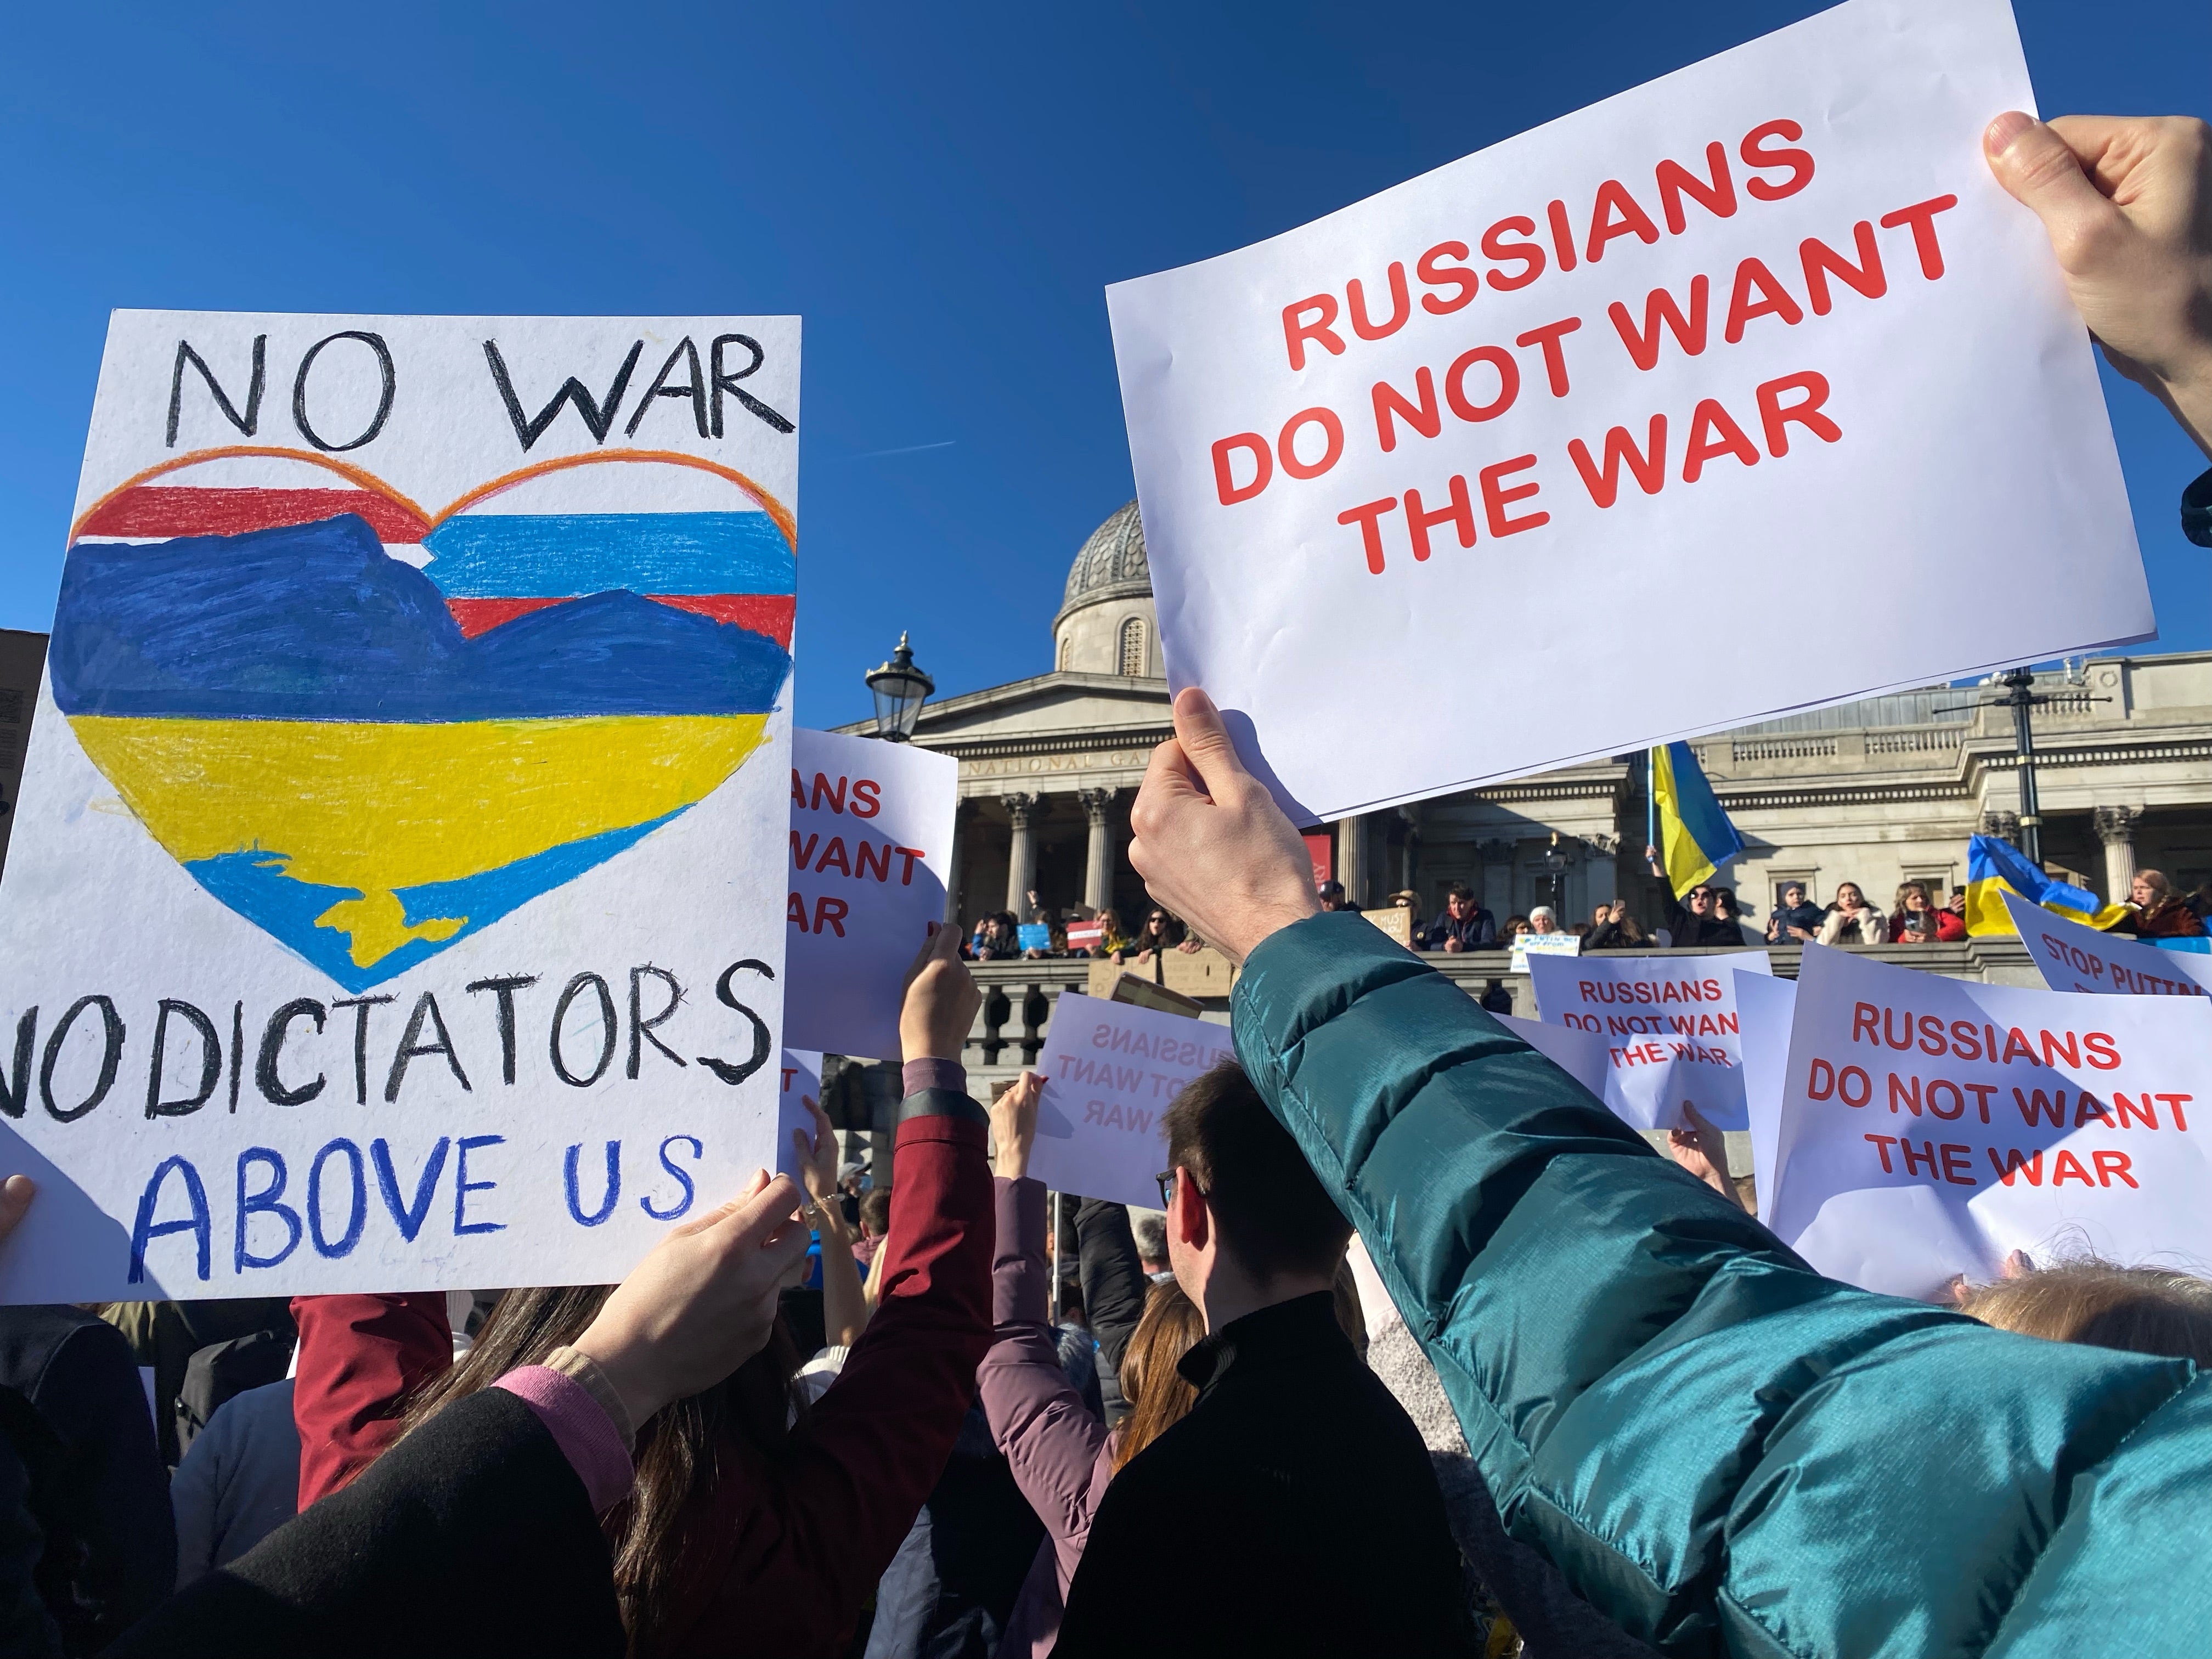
2020,695
901,688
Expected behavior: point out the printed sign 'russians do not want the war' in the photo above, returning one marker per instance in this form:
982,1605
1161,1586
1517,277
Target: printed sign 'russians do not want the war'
1111,1070
1774,300
393,898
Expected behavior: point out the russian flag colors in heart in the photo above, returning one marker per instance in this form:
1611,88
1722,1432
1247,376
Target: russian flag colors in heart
373,730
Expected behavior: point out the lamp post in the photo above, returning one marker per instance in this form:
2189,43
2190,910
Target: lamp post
901,688
2020,689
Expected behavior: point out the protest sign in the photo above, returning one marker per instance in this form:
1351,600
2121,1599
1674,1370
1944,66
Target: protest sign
801,1083
1086,935
1579,1054
1110,1069
870,840
1770,301
1669,1025
1395,920
1542,945
2077,958
1767,1006
1930,1126
388,900
1033,935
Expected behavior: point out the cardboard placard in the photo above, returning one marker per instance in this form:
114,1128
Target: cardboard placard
389,901
1769,300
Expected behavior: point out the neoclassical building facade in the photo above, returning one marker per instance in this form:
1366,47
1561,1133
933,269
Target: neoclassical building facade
1876,792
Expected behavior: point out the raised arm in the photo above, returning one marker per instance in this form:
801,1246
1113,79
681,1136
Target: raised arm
803,1537
1583,1299
844,1304
1049,1435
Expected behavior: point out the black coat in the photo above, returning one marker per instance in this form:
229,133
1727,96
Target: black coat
471,1536
77,1417
1114,1291
1295,1505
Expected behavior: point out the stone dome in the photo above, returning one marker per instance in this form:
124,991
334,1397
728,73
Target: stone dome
1111,564
1107,625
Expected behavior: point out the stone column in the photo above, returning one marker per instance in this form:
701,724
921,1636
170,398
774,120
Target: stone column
1494,886
952,863
1352,857
1021,852
1409,860
2116,827
1098,858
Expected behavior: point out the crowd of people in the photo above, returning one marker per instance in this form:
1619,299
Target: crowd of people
1424,1352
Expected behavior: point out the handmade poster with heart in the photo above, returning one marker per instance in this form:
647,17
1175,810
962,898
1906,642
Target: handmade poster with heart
419,662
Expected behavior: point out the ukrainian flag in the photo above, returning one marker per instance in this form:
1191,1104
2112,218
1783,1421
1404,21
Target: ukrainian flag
1694,835
1994,865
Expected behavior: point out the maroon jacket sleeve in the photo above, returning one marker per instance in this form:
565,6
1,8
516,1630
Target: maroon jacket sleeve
360,1357
790,1545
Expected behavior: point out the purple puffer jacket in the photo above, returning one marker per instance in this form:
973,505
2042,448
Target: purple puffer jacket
1062,1455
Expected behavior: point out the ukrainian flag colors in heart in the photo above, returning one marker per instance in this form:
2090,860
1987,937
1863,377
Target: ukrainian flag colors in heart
371,732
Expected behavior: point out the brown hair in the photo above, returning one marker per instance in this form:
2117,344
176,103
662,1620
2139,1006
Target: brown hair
876,1211
675,1450
2153,1310
1273,1214
2160,889
1171,1328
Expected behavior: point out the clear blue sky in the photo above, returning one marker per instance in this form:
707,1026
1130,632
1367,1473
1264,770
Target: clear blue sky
941,192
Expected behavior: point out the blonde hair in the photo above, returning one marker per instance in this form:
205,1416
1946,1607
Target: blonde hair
1161,1394
2152,1310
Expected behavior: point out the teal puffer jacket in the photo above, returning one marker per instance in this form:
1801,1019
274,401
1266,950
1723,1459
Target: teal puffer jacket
1720,1448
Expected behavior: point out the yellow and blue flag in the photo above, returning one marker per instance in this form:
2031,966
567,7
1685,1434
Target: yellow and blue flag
1694,835
1994,865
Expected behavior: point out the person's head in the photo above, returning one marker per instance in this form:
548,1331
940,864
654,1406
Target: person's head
1151,1236
1247,1218
1158,1394
1632,931
1070,1301
1514,925
1700,899
1848,897
675,1454
1793,895
1408,900
1601,915
875,1212
1459,901
2151,887
1724,903
1912,898
1110,921
2153,1310
1541,921
1158,923
849,1175
1332,896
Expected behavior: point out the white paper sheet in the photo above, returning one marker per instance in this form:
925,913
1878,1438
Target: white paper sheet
2086,1132
1768,1007
1579,1054
2077,958
801,1082
870,841
394,896
1110,1070
1959,443
1669,1026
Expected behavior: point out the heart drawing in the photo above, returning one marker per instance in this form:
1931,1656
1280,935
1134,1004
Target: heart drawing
373,731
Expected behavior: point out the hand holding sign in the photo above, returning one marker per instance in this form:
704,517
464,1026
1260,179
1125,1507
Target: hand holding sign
1210,842
702,1303
2126,203
1013,1126
938,1003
